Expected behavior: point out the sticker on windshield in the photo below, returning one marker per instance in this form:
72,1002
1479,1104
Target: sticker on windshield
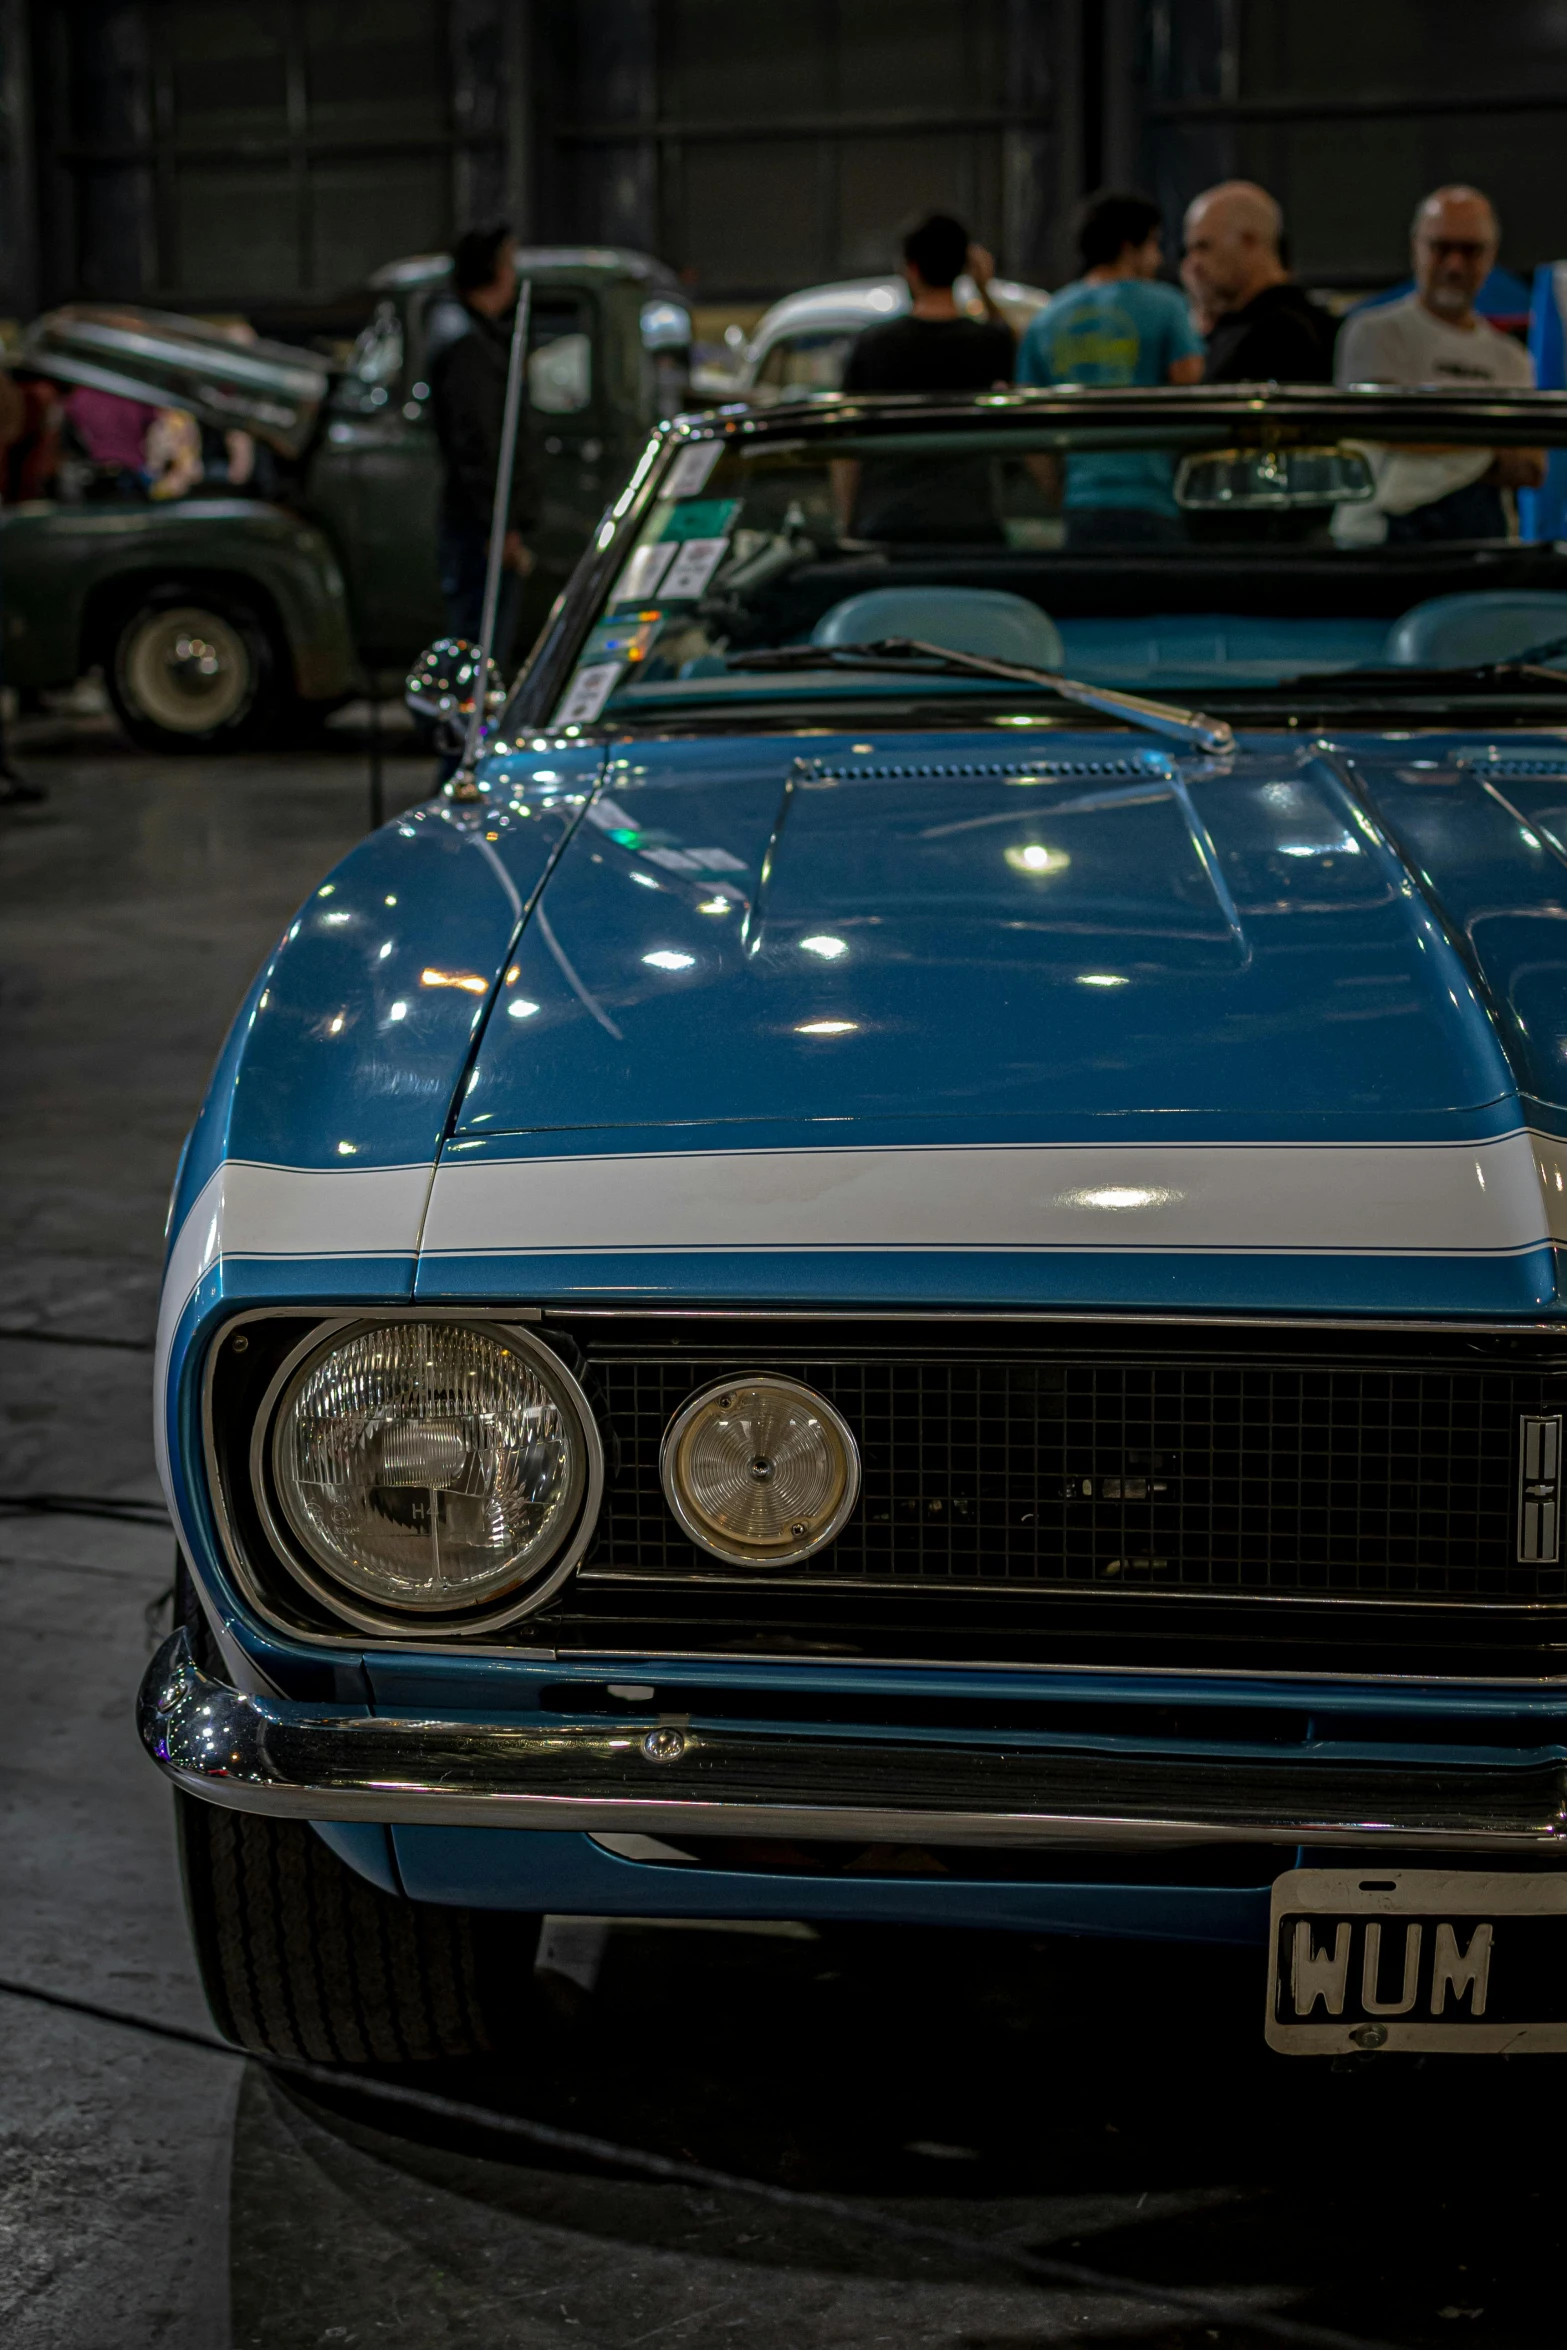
630,639
587,693
642,574
702,518
687,477
693,567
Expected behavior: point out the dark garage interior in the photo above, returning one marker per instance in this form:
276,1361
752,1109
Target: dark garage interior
986,2089
271,155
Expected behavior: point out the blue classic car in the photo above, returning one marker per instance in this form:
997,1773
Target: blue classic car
906,1267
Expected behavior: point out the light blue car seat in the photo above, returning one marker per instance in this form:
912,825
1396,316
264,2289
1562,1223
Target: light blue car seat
961,620
1454,632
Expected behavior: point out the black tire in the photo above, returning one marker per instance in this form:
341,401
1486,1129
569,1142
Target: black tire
194,668
299,1957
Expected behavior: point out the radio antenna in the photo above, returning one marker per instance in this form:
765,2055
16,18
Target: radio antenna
462,785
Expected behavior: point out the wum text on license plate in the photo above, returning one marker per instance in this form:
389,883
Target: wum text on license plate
1458,1960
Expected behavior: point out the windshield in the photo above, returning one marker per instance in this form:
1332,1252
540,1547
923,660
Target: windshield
1191,556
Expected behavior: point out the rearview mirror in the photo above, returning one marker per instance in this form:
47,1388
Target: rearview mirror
440,690
1232,480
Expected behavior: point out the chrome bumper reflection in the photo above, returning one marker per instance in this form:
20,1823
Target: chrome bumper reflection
302,1761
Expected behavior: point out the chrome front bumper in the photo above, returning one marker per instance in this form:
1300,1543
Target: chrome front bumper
268,1754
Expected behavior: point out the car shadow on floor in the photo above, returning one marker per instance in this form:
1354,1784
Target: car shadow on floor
1108,2104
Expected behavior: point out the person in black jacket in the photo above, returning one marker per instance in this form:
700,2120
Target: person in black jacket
468,396
1260,327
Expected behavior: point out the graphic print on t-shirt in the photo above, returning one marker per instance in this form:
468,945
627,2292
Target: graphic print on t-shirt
1404,343
1128,331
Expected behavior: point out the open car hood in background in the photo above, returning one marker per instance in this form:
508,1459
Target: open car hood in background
269,389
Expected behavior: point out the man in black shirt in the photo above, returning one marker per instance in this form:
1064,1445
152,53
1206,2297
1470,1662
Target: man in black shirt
936,347
468,396
1260,327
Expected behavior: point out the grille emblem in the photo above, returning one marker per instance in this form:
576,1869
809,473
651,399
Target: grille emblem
1539,1473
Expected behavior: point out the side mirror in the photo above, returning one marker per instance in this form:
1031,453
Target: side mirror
1264,480
440,690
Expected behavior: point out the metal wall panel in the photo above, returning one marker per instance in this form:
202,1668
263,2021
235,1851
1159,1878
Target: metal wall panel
759,149
268,150
1351,113
264,150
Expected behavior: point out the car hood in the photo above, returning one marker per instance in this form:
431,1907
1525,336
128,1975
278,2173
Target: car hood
968,1023
269,389
1046,1022
951,935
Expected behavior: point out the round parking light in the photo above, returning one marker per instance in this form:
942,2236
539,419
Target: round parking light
760,1471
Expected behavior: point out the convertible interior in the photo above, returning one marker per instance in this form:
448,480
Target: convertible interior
1223,621
1241,648
1225,568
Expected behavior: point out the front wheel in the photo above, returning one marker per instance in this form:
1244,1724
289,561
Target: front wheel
301,1958
193,671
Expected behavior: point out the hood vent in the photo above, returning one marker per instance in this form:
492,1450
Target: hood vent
1490,762
1132,767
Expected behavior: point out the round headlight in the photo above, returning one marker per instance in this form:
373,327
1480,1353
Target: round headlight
760,1471
430,1467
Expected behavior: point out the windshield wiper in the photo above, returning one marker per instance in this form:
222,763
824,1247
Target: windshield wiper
909,653
1532,657
1398,683
1540,660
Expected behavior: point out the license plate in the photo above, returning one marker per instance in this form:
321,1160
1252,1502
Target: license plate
1417,1958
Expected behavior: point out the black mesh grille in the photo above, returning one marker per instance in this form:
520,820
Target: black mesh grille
1307,1480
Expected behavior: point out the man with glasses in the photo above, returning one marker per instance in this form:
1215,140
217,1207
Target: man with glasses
1436,336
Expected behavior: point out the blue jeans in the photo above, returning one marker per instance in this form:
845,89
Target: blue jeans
463,552
1473,513
1121,526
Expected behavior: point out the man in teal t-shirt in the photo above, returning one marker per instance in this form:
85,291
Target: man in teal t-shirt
1116,326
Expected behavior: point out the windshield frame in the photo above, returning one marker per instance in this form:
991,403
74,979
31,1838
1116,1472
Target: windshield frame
1250,411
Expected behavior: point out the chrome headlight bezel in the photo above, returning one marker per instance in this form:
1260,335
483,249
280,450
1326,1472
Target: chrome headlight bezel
534,1585
752,1559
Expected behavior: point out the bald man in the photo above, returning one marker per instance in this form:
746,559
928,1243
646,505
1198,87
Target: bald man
1263,328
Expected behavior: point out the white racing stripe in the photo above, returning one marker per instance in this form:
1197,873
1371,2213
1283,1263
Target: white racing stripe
1493,1198
254,1211
1403,1199
1488,1199
247,1210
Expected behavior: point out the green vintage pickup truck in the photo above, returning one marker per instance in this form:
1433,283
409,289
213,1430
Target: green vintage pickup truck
218,619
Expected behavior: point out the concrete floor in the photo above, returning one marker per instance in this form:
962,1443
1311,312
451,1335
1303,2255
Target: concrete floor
1112,2105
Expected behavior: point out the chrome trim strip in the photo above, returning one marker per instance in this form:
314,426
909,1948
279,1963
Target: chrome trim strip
625,1663
303,1762
1110,1318
1548,1612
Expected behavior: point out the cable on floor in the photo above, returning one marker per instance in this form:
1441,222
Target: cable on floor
869,2217
25,1334
84,1505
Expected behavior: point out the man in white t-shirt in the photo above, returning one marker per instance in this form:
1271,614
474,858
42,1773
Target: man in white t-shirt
1436,336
